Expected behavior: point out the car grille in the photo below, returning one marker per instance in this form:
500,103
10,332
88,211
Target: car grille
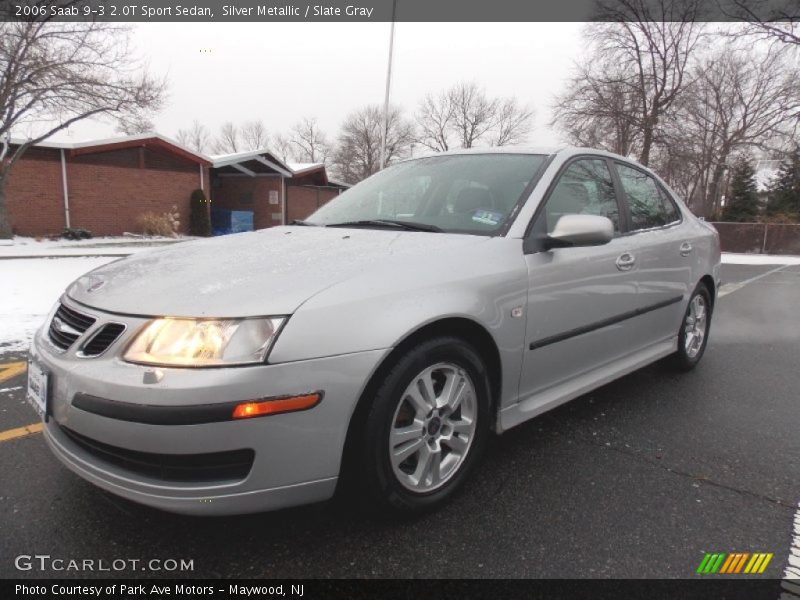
232,465
67,326
101,340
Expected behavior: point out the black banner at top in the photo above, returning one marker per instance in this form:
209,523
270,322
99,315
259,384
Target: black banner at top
144,11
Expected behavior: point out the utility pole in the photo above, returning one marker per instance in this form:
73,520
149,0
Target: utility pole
384,130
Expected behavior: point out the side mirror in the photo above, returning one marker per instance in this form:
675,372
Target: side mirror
580,230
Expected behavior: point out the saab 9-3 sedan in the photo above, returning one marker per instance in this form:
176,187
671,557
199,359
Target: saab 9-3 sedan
377,343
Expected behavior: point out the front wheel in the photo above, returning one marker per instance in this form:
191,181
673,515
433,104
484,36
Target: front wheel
427,426
693,334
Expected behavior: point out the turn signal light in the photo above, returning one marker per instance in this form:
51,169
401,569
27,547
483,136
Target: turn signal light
260,408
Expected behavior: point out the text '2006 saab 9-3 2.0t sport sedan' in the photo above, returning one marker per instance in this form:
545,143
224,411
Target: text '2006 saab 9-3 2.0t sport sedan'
384,337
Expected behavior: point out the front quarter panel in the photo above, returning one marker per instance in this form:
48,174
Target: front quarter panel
380,308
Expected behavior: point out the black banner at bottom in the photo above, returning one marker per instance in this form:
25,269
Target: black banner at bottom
394,589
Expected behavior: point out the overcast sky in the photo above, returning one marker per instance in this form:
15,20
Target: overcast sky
282,72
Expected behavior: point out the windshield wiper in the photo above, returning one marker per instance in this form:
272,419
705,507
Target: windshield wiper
303,223
409,225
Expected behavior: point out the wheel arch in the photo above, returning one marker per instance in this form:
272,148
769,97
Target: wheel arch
708,281
468,330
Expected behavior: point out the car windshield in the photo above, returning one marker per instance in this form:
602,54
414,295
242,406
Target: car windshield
461,193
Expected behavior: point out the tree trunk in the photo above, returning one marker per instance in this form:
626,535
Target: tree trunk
712,200
647,142
5,224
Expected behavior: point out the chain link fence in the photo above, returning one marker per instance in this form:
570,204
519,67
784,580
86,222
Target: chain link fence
759,238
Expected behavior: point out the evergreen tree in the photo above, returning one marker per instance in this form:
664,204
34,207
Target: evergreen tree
742,202
784,194
200,220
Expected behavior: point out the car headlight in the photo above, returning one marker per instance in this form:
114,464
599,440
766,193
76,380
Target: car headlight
204,342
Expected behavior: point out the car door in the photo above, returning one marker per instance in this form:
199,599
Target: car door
578,297
662,252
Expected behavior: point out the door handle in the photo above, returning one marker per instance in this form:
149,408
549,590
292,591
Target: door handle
625,262
685,249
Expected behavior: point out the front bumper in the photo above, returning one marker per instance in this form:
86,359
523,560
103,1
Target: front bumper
296,455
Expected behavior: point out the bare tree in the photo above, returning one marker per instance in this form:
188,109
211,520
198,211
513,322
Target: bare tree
197,137
742,98
358,150
310,144
282,146
599,112
135,125
650,43
776,21
55,74
464,116
254,135
474,114
434,122
228,141
512,123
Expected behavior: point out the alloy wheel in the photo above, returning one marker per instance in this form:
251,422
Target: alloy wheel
695,326
433,427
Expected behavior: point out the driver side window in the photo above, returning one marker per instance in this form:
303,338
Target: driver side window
585,188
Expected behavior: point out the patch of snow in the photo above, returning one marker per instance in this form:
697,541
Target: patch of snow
297,167
766,173
729,258
25,246
30,288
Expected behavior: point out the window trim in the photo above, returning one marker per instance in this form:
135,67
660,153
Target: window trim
530,245
629,229
525,196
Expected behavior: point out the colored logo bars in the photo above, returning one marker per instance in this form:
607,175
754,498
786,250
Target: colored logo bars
736,562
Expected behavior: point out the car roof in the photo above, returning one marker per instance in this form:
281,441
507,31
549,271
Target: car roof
563,151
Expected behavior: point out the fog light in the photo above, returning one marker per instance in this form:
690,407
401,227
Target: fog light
260,408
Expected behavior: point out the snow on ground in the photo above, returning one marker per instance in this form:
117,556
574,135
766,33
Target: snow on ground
729,258
22,246
30,287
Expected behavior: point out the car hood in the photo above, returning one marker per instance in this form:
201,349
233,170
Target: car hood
267,272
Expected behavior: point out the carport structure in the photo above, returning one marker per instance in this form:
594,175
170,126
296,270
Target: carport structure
275,192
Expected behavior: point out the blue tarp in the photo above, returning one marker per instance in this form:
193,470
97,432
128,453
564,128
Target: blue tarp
225,221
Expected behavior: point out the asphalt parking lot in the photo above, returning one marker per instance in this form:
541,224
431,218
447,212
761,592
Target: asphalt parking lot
638,479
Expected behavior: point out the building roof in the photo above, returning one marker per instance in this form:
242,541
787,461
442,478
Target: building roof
251,162
143,140
301,167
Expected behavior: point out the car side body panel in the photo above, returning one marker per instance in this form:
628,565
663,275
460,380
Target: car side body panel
483,283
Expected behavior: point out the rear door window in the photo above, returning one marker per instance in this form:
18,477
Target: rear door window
648,205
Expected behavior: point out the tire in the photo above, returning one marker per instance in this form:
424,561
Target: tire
692,340
405,437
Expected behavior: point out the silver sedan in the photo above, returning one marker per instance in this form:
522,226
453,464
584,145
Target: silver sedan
374,346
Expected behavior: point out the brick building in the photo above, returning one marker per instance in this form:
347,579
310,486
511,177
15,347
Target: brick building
275,192
104,186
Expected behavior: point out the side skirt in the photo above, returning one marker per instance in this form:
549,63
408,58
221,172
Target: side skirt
532,406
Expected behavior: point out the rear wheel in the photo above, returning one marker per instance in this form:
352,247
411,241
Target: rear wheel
693,334
427,426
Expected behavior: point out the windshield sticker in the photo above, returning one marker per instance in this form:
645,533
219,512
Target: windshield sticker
487,217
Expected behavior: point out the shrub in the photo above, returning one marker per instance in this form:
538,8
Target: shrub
157,224
76,233
200,222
